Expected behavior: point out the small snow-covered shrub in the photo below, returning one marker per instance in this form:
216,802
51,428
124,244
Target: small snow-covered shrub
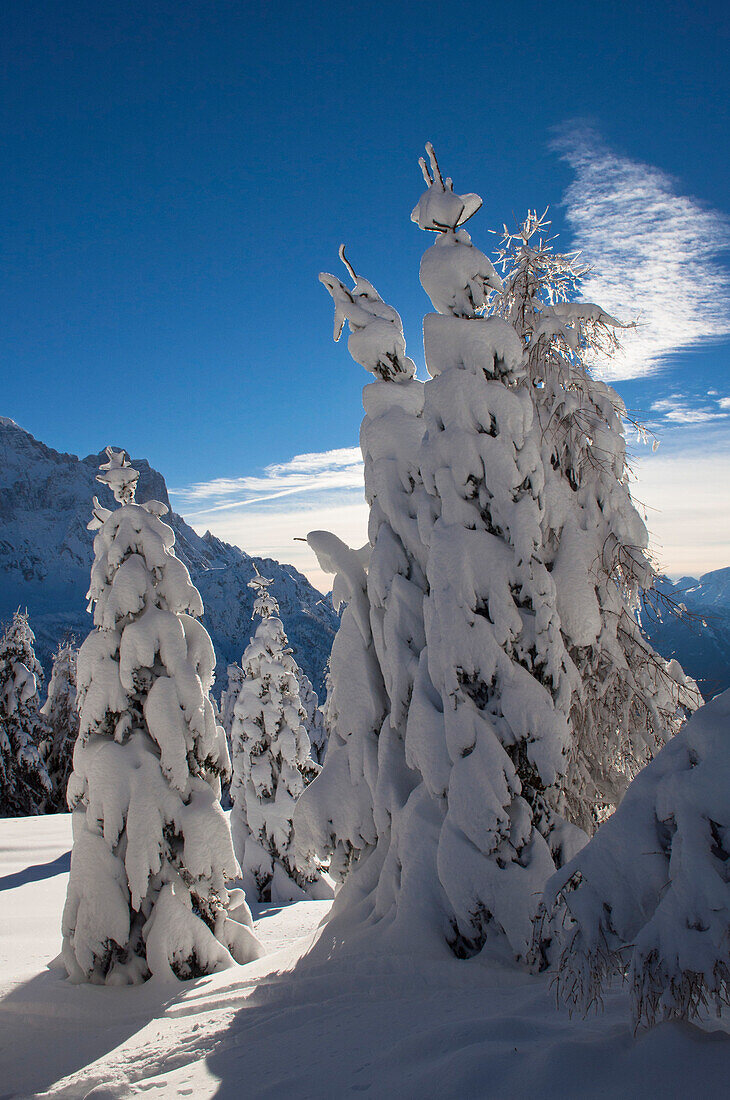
152,849
648,898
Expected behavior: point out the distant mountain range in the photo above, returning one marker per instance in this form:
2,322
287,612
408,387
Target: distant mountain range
701,642
46,554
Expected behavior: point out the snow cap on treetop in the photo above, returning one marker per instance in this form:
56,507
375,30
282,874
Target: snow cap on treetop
376,338
439,208
119,475
265,604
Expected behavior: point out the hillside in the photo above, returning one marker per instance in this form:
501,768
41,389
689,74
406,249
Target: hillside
301,1023
46,555
701,643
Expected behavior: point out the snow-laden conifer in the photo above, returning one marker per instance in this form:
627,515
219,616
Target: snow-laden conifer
272,763
488,729
229,697
626,699
375,655
334,816
25,787
314,717
62,721
152,850
649,897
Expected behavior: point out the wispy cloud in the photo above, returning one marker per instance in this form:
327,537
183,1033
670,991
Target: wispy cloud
680,408
654,254
256,512
316,473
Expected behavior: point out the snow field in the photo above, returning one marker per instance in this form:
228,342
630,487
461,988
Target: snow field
296,1026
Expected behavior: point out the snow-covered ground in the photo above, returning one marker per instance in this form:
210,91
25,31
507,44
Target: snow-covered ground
384,1026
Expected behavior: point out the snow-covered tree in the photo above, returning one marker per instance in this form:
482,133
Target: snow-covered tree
314,720
334,816
152,850
24,784
271,763
348,810
62,721
649,897
488,730
229,697
626,700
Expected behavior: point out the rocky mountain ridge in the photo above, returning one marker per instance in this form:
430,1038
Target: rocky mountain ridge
46,554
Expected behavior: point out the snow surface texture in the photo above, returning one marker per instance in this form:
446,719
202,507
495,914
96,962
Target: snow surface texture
46,555
649,896
152,852
399,1024
25,787
272,764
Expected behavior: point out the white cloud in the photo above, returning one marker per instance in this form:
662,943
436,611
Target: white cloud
652,251
257,513
685,495
319,472
680,409
273,534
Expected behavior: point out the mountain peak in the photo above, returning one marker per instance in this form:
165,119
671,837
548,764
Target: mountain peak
46,553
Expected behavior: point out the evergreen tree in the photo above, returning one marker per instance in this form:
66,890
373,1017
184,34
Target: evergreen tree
492,733
649,897
152,851
334,815
24,784
314,720
375,655
271,763
626,700
229,697
62,719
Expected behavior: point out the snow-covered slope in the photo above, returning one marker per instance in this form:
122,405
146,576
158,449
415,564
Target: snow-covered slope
300,1027
701,644
46,554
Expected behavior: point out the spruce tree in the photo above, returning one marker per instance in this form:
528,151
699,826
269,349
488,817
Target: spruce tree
25,787
152,851
314,720
334,815
229,697
492,733
271,763
626,700
62,720
375,655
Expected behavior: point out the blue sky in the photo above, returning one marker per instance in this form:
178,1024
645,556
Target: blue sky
176,174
